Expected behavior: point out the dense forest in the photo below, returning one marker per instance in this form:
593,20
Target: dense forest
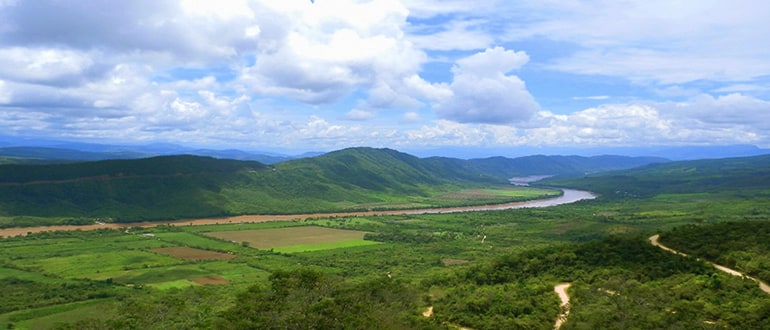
740,245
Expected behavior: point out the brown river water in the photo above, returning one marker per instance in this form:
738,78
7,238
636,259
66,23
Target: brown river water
569,196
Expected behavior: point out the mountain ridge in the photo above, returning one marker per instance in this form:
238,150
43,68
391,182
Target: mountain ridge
189,186
64,151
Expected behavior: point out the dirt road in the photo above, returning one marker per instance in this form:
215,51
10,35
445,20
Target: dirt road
569,196
762,285
561,290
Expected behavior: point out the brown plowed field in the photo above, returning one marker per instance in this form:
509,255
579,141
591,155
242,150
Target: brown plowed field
211,280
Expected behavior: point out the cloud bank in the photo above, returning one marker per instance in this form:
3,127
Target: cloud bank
332,74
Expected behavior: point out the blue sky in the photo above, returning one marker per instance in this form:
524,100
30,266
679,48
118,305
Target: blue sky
410,75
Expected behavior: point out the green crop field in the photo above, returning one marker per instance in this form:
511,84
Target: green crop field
323,246
311,237
188,253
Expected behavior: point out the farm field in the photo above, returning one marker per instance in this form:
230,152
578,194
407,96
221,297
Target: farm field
294,239
188,253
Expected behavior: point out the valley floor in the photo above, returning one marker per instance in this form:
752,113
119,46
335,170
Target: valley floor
568,196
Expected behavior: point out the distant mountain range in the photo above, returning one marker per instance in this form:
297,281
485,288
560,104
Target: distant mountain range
65,155
672,153
46,151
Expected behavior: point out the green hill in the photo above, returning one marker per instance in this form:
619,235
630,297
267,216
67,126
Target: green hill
176,187
173,187
744,175
111,169
129,190
560,166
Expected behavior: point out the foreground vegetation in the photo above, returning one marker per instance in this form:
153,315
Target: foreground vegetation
483,270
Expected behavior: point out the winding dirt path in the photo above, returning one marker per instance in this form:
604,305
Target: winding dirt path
561,290
762,285
568,196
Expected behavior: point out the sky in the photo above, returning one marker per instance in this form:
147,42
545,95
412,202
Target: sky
423,74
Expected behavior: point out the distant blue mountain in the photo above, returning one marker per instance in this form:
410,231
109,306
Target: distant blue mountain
46,149
672,153
69,152
44,154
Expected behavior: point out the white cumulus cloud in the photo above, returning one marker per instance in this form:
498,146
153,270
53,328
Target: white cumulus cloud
482,91
323,52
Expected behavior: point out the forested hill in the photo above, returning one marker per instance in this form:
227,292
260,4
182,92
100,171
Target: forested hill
110,169
171,187
744,175
380,169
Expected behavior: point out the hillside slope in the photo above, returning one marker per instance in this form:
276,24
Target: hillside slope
746,175
174,187
151,188
171,187
560,166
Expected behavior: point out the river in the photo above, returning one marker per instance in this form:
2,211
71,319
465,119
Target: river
568,196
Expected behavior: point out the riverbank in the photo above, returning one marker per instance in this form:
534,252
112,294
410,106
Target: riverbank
568,196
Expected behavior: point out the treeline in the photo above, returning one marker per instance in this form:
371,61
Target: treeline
401,236
740,245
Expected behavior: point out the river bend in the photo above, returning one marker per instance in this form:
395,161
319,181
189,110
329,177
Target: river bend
568,196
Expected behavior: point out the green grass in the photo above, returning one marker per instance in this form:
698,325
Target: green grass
27,275
235,272
46,317
91,265
284,237
323,246
166,274
176,284
196,241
